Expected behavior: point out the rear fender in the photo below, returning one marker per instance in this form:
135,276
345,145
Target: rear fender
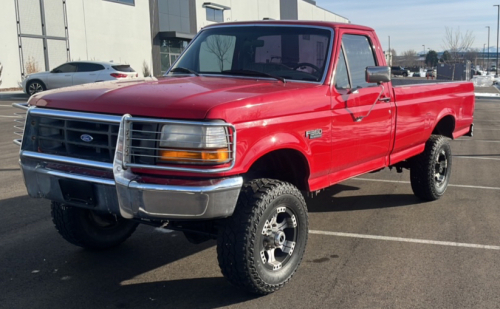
448,128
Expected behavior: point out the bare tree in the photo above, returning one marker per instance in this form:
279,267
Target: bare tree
410,58
456,42
393,52
219,45
472,55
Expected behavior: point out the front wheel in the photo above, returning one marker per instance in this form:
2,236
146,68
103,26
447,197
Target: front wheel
430,171
35,86
261,246
90,230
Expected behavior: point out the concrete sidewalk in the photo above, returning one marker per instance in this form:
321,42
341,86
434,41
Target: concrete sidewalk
13,95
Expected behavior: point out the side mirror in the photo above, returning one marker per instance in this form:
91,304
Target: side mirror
378,74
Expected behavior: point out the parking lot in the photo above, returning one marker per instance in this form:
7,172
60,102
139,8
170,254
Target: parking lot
372,245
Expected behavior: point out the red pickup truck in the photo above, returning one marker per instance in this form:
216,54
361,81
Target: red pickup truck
250,117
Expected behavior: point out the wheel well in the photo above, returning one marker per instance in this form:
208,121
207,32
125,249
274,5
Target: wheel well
285,164
445,126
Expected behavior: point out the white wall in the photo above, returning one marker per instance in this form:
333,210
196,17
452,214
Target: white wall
308,11
9,51
240,11
102,31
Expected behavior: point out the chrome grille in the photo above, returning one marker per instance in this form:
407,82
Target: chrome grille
66,137
71,134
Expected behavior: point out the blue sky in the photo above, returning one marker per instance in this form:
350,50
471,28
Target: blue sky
412,24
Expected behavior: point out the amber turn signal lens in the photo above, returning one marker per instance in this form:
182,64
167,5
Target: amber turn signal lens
204,156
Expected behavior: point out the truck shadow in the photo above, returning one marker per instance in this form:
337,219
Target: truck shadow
137,274
328,201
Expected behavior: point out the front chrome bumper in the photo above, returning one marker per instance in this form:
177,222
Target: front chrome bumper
203,199
126,196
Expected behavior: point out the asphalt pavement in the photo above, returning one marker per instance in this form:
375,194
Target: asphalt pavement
372,245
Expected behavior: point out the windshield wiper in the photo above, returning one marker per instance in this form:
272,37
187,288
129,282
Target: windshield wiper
254,73
184,70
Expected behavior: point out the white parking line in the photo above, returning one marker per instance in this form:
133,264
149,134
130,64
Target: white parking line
476,140
479,129
2,116
478,158
407,182
401,239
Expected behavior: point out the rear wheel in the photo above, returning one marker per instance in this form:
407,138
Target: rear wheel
88,229
35,86
430,171
261,246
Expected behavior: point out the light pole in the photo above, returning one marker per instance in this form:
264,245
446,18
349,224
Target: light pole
498,23
484,45
488,63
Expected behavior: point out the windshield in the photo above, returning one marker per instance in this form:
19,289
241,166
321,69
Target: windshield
289,52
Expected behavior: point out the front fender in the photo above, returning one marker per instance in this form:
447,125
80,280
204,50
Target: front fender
250,152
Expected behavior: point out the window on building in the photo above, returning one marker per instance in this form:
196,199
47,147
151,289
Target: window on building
215,15
170,49
131,2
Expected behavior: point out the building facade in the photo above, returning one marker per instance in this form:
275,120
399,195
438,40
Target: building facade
39,35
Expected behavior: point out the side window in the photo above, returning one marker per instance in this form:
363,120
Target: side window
359,54
216,53
341,77
89,67
66,68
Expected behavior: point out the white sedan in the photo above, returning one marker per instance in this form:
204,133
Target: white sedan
76,73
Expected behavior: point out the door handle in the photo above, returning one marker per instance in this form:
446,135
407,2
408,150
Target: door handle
386,99
68,75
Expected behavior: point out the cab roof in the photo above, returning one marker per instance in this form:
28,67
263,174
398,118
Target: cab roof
314,23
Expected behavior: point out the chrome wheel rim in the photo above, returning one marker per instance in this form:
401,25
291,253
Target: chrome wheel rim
279,237
441,168
34,88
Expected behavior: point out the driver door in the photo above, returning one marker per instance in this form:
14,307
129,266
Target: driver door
61,76
362,123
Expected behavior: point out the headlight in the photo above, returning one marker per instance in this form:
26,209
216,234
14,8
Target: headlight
194,144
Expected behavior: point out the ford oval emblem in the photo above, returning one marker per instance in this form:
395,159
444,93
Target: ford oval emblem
86,138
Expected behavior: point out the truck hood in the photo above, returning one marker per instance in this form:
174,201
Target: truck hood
187,97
